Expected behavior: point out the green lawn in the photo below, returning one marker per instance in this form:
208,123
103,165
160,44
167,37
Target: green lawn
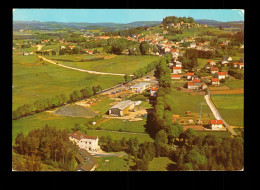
124,125
119,64
161,164
231,107
31,83
114,164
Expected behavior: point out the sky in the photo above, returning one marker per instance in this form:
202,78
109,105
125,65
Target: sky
123,15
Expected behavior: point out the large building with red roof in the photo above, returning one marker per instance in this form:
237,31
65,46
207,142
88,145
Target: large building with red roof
89,143
216,124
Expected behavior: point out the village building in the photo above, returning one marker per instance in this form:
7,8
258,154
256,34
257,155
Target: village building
241,65
104,37
224,63
176,70
177,64
207,43
235,65
121,108
216,124
139,88
215,82
89,143
176,76
153,91
214,70
211,63
192,45
190,76
85,161
221,75
227,58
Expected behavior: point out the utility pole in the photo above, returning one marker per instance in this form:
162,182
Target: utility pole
201,110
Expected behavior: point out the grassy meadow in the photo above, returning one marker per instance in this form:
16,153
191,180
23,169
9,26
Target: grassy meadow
231,107
118,64
33,82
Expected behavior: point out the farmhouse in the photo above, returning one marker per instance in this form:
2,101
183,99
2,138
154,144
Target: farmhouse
190,76
139,88
197,85
211,63
192,45
89,143
216,124
215,82
176,70
85,161
153,91
176,76
214,70
241,65
121,108
221,75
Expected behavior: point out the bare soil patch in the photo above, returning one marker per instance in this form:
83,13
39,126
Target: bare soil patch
236,91
219,88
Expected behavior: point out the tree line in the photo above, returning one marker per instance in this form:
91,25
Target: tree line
47,145
127,32
209,152
56,101
173,19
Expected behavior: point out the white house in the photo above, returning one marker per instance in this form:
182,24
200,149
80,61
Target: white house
176,76
153,91
221,75
216,124
139,87
215,82
190,76
176,70
192,45
241,65
214,70
89,143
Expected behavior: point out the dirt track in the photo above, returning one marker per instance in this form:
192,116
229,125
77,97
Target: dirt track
236,91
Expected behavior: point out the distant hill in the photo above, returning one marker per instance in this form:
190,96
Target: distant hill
88,26
231,24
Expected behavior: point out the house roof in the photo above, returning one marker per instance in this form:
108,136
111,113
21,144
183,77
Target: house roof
210,61
190,74
216,122
222,73
154,88
86,161
214,68
214,79
176,67
79,135
235,63
196,80
190,83
241,63
175,75
122,105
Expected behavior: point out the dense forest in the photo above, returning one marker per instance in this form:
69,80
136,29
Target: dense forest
44,146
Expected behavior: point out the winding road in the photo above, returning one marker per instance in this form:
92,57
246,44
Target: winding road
81,70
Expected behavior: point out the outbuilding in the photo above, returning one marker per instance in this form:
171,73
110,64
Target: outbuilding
216,124
121,108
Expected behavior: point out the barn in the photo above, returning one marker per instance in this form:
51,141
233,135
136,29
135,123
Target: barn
121,108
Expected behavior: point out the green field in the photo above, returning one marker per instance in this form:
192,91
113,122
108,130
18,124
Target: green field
161,164
231,107
184,102
62,122
124,125
235,84
31,83
119,64
114,164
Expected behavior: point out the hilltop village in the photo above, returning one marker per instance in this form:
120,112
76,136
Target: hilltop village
129,100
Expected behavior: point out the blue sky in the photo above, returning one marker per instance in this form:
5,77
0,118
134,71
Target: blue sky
123,15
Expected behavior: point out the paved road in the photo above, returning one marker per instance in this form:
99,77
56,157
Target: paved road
217,114
81,70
